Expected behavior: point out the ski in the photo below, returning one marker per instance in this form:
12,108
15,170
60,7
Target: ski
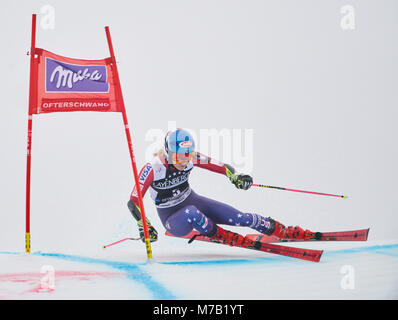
299,253
352,235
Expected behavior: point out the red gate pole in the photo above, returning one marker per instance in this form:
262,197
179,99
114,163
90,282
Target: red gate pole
30,125
126,126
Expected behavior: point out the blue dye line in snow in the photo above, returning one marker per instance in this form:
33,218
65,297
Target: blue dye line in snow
136,273
388,249
228,261
133,271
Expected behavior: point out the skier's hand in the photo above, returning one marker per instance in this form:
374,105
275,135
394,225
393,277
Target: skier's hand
241,181
153,234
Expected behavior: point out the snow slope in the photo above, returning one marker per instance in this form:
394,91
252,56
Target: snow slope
182,271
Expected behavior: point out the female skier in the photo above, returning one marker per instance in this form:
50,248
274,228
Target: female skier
181,210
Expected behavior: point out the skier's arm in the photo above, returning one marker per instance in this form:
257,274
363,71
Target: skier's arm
241,181
145,180
136,213
202,161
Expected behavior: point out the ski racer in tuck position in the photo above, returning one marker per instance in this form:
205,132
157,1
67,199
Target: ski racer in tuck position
181,210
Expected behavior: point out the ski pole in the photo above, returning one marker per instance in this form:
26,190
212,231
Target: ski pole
113,243
295,190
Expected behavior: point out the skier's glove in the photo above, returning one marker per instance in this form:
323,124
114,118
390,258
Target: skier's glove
153,234
241,181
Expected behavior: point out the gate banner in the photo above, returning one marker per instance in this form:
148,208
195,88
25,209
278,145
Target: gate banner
65,84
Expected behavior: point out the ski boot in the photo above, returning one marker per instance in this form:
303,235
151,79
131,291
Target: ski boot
223,236
292,233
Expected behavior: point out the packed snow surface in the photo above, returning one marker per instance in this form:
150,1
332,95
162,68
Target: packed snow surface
347,270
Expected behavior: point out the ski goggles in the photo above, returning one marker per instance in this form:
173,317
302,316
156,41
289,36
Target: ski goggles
182,157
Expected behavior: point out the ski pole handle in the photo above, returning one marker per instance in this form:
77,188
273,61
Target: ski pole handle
303,191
